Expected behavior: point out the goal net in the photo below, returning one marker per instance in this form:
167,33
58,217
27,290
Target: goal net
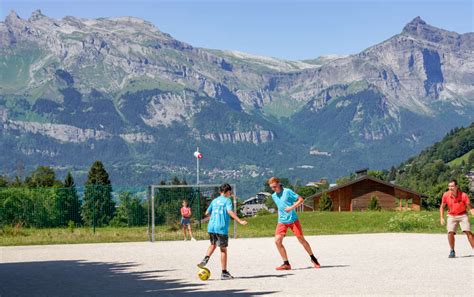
164,210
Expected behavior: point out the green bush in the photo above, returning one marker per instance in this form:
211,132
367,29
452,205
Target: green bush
325,202
269,203
263,212
6,230
173,224
12,230
29,207
374,203
71,225
409,221
130,211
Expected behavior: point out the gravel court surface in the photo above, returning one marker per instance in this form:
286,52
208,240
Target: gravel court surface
363,264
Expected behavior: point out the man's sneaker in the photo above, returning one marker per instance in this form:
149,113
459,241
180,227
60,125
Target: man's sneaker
284,267
226,275
316,264
193,239
452,254
203,263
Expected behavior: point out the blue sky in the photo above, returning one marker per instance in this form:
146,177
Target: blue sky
292,30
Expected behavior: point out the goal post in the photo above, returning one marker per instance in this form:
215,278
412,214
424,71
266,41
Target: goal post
165,202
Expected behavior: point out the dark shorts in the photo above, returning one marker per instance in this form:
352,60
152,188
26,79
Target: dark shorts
185,221
220,239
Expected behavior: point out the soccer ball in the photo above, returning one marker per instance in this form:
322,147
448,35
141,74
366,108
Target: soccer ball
204,274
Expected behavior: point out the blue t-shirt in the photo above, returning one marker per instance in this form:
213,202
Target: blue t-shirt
220,219
282,200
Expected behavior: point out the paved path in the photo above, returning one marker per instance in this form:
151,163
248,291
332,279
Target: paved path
368,264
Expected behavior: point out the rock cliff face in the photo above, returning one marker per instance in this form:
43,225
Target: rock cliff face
121,85
255,137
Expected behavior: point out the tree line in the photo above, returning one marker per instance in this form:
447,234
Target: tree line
41,200
431,170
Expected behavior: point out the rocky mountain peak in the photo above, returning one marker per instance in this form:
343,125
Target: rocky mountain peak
419,29
414,24
132,20
12,17
36,15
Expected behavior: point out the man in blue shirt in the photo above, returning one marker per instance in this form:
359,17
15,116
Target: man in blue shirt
220,211
286,201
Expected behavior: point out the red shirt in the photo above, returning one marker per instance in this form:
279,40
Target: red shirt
456,205
185,212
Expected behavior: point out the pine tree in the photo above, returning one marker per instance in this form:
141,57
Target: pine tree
3,181
167,202
374,203
42,176
98,208
68,203
392,175
325,202
130,211
470,161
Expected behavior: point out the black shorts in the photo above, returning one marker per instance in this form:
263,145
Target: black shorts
220,239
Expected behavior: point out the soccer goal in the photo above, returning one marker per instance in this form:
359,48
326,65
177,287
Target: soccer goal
164,210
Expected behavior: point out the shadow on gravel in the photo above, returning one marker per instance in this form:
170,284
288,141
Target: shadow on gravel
334,266
81,278
322,266
264,276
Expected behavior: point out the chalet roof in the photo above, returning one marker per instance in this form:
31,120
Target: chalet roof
366,177
250,199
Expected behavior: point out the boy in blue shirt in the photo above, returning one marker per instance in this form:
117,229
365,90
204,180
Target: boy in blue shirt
286,200
220,211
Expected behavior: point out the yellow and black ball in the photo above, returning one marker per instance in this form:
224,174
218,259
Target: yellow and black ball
204,274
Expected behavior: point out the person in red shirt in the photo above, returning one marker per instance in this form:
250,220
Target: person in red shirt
186,220
458,203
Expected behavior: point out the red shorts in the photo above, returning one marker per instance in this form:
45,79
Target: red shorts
295,227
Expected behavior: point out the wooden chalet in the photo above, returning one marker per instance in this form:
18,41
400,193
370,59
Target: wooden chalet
356,194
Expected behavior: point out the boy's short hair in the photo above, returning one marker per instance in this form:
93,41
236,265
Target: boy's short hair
224,188
273,180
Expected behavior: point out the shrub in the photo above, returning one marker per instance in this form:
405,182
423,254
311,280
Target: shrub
263,212
325,203
130,211
374,203
173,224
408,221
71,225
12,230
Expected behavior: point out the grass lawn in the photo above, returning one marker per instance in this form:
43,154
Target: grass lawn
458,161
314,223
327,223
34,236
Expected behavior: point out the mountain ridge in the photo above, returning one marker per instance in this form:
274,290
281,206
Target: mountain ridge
122,90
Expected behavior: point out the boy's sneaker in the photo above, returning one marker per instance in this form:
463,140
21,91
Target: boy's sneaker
226,275
193,239
316,263
452,254
284,267
203,263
